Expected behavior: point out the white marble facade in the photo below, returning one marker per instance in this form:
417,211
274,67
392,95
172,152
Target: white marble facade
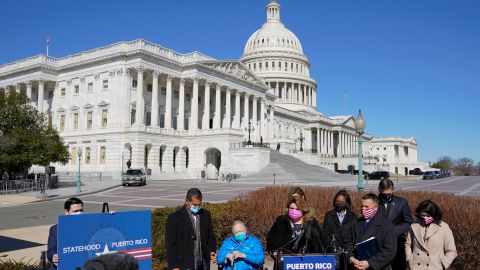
178,114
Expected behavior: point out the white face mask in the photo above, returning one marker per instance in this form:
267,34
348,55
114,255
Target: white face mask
76,213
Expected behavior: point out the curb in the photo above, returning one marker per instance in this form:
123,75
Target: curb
78,194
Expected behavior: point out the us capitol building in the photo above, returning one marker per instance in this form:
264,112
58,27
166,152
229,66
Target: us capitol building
178,114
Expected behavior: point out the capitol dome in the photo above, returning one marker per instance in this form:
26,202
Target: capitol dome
275,54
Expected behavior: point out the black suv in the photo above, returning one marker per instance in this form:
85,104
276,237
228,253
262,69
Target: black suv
415,171
378,175
134,176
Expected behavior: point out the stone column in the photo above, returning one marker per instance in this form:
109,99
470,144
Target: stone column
29,90
206,107
263,127
255,117
168,104
194,106
181,106
246,113
140,101
217,118
315,97
228,108
41,95
318,140
277,89
331,142
271,123
236,119
154,121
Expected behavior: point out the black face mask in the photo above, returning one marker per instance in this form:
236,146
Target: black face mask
339,207
385,198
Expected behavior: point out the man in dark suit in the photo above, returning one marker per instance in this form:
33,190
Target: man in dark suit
371,224
397,211
189,238
72,206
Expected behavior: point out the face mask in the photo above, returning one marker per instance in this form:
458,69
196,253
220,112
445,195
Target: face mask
77,213
195,209
428,220
294,214
368,212
240,236
385,198
339,207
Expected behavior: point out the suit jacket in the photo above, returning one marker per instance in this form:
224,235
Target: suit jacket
434,249
381,229
52,244
331,225
180,235
399,215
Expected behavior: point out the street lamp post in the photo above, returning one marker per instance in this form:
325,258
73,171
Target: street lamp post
300,139
249,129
359,123
121,173
78,173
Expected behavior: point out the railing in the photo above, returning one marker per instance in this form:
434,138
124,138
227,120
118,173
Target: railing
26,185
84,176
252,145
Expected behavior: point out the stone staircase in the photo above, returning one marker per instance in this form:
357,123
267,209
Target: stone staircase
291,170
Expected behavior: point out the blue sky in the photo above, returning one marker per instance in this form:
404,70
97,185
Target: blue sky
412,66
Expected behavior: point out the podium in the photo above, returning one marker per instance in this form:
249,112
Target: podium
311,261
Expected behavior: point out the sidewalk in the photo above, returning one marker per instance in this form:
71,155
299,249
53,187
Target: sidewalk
24,244
68,190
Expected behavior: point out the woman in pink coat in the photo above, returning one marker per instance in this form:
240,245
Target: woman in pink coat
430,243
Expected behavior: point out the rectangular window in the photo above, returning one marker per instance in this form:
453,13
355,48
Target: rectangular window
187,96
134,83
175,94
87,155
90,87
148,120
62,92
62,122
102,155
104,117
74,156
89,119
132,116
75,120
163,91
162,120
50,94
76,90
105,84
149,87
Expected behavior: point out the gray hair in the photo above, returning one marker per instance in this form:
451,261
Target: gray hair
236,222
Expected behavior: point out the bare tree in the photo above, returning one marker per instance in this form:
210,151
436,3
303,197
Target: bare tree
464,165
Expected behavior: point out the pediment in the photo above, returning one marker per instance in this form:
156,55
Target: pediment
74,108
88,106
103,103
235,69
61,109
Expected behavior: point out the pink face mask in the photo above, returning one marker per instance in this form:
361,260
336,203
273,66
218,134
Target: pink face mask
368,212
428,220
294,214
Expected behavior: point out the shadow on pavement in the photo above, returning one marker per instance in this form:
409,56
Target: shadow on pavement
9,244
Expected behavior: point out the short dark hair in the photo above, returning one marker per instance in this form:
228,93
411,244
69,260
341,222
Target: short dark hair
429,207
70,202
194,193
370,196
385,184
345,194
114,261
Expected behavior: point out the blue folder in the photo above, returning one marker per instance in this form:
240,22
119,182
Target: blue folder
367,249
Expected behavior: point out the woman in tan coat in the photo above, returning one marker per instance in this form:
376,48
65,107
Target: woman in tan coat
430,243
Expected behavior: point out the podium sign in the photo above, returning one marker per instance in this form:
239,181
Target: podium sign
309,262
82,237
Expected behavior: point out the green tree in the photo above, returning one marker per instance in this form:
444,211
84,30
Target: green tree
25,139
445,162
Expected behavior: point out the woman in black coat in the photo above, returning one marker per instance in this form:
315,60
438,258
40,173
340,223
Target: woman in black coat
338,221
294,232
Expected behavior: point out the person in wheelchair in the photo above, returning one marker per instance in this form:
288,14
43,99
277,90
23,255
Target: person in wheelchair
241,251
